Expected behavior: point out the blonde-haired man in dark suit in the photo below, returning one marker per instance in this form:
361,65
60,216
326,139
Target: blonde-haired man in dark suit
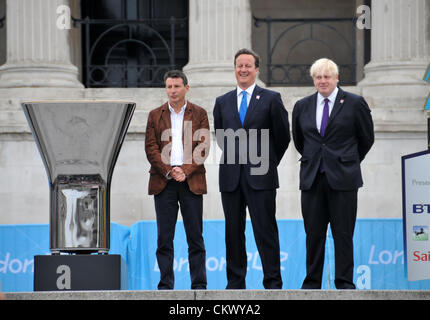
333,131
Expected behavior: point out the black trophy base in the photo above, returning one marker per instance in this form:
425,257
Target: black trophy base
79,272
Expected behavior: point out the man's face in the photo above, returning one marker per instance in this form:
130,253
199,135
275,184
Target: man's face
176,91
325,82
245,71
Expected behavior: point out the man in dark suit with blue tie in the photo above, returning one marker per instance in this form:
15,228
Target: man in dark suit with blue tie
333,131
252,129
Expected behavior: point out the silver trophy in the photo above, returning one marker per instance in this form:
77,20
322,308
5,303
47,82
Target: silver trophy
79,142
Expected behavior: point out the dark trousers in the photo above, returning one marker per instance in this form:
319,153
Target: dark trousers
322,205
262,208
166,207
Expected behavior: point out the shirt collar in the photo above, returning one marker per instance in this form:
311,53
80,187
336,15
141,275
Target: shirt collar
182,109
249,90
331,97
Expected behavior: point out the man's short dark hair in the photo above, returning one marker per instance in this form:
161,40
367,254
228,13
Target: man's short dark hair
248,51
176,74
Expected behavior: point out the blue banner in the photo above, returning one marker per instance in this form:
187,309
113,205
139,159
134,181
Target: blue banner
378,254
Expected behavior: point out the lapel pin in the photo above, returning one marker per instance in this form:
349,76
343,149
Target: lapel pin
257,97
341,101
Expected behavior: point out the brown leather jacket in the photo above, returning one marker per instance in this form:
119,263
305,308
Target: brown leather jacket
196,144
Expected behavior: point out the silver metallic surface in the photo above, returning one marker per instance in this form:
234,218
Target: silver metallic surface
79,142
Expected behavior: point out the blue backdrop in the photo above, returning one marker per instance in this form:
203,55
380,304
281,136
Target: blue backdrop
378,252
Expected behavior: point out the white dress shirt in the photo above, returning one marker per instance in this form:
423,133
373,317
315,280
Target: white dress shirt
249,92
320,105
177,152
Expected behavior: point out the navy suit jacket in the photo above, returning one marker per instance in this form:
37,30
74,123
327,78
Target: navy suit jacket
265,111
348,137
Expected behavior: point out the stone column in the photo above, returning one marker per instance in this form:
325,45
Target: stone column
38,52
217,29
400,52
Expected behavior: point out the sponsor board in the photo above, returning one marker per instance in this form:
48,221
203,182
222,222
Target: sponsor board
416,214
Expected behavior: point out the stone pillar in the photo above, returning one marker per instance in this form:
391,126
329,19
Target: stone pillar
217,29
38,52
400,52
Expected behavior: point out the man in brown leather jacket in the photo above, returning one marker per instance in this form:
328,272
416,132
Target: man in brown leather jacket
176,144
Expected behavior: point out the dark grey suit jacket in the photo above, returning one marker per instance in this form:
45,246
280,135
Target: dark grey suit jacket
265,111
348,137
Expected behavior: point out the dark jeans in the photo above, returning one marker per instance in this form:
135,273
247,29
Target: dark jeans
166,207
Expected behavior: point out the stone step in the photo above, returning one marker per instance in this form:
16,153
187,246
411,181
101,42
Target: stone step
204,295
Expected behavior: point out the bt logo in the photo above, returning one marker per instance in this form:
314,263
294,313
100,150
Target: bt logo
420,208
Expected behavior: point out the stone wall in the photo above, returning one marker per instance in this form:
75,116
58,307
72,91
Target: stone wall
24,195
392,86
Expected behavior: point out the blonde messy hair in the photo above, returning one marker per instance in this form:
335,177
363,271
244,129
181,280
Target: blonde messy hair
322,65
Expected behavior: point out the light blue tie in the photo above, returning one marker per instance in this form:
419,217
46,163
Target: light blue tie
243,107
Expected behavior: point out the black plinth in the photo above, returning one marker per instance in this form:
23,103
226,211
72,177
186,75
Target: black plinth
79,272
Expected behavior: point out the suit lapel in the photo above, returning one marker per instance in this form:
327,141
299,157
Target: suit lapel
234,107
187,128
188,120
165,118
313,111
252,103
338,104
188,116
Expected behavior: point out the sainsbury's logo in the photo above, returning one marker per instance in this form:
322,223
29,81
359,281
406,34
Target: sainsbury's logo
421,256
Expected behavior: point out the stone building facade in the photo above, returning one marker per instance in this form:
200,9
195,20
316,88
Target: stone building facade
43,62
